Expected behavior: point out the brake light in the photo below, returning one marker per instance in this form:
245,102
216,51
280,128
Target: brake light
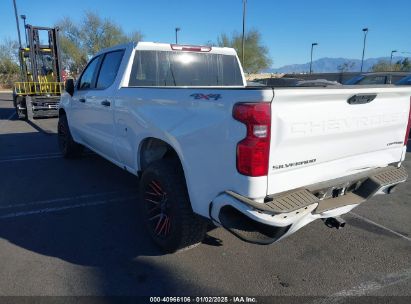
407,132
253,151
190,48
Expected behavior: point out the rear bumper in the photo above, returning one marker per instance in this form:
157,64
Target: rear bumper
285,213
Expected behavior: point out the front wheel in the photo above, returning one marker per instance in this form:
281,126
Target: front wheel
68,147
168,215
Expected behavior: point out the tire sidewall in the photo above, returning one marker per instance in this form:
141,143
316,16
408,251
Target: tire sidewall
176,195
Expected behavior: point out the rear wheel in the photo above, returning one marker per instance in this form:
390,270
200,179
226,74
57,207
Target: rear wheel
167,211
68,147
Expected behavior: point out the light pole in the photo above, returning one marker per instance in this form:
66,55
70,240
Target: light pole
243,38
24,21
177,30
17,21
311,62
365,30
392,52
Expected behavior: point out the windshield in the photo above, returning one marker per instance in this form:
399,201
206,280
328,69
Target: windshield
170,68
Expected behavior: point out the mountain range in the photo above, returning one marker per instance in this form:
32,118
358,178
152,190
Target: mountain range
331,65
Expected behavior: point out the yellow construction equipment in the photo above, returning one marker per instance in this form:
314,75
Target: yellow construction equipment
38,92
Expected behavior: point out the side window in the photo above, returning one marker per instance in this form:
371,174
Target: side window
86,80
144,71
109,69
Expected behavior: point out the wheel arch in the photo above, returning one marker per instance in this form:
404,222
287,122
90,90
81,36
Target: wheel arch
62,112
152,149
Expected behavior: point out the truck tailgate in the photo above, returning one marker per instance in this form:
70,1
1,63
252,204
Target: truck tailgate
318,134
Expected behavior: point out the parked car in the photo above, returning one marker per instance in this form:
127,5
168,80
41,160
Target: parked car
404,81
262,162
375,78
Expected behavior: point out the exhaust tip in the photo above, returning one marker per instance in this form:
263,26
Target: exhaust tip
334,222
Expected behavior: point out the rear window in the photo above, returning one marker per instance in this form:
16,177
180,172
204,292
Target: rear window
170,68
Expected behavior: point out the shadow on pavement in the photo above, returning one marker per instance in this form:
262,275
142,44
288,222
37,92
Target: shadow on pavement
108,238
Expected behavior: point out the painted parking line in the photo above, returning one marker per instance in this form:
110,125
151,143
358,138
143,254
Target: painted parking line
66,207
7,119
47,156
63,199
380,226
36,156
366,288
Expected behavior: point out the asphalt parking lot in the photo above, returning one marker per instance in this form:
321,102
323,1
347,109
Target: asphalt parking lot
71,227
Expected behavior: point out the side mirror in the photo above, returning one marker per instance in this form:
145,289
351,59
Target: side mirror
69,85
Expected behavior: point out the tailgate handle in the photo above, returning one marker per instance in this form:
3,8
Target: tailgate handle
361,99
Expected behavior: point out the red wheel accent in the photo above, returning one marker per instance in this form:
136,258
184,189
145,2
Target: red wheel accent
158,208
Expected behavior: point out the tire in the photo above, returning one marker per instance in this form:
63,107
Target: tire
68,147
19,100
168,216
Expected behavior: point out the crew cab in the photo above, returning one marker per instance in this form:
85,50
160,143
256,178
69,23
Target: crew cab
262,161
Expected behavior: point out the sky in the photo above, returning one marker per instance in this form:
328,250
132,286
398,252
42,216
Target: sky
288,27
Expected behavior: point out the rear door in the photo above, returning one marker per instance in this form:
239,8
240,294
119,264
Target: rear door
322,134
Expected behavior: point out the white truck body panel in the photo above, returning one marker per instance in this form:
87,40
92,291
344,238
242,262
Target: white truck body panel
316,136
318,124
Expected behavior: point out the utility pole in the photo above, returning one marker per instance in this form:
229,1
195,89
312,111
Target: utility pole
392,52
17,21
243,38
24,22
365,30
311,62
177,30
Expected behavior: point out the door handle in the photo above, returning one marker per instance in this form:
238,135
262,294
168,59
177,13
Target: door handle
82,100
106,103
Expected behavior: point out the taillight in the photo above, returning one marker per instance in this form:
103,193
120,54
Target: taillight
407,132
253,151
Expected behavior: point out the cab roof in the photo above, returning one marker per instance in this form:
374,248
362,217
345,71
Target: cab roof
155,46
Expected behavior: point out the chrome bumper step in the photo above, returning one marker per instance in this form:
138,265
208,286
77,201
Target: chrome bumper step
300,198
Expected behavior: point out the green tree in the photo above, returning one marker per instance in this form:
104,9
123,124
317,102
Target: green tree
9,68
406,65
79,42
256,55
399,66
73,55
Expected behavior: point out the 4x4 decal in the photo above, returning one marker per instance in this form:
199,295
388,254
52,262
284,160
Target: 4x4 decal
206,96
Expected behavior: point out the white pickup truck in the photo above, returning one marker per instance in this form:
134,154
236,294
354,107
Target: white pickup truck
260,161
